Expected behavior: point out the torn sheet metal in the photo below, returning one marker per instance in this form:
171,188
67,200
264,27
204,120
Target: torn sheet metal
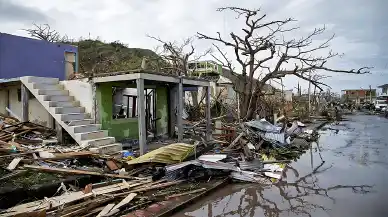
212,157
274,170
277,139
263,125
182,165
219,166
169,154
255,164
247,176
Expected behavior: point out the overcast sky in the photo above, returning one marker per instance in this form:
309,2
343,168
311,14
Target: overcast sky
360,26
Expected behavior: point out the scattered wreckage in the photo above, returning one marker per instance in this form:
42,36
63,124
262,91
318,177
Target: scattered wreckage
159,181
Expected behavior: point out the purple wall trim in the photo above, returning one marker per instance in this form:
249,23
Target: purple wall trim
20,56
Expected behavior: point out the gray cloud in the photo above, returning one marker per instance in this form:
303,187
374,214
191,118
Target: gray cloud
360,26
10,12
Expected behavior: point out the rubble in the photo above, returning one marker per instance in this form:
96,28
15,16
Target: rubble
255,151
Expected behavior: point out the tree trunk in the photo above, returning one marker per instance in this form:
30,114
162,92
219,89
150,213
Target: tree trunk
252,107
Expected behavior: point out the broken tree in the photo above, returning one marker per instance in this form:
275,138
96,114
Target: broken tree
263,51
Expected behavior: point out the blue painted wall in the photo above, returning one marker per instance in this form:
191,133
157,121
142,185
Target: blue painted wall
20,56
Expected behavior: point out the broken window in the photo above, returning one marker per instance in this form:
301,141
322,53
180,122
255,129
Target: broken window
124,103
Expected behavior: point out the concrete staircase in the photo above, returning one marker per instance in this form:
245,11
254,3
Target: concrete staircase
70,115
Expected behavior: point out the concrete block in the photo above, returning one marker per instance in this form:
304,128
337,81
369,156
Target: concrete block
64,104
92,135
80,122
67,110
47,86
43,80
54,92
86,128
110,149
98,142
73,116
59,98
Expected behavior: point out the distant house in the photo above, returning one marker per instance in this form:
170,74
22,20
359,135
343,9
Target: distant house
359,95
384,89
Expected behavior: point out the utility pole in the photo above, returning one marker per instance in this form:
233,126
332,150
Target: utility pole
370,93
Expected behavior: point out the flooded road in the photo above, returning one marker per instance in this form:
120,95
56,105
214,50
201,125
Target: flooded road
344,175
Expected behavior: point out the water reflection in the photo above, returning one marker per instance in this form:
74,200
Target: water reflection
311,188
301,197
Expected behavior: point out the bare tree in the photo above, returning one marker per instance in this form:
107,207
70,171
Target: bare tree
44,32
263,49
178,55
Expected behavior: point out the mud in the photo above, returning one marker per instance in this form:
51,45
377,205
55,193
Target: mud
344,174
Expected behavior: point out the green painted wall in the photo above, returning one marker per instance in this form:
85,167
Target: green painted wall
118,128
161,110
128,128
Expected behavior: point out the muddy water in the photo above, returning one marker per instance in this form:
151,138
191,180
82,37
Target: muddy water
344,175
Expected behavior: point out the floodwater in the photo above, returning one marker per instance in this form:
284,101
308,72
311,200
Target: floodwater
344,175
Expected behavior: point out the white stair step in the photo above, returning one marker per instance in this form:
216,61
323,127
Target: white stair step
98,142
47,86
53,92
73,116
80,122
64,104
67,110
43,80
58,98
110,149
86,128
92,135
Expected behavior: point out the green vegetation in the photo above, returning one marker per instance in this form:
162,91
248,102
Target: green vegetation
97,57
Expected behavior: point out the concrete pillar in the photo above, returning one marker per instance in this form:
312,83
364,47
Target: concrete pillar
180,111
208,115
173,101
59,131
141,116
25,98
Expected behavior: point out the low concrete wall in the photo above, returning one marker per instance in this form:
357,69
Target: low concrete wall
82,91
36,112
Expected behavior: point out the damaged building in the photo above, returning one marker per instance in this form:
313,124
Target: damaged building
96,112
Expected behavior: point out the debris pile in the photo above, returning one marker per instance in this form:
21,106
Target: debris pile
255,151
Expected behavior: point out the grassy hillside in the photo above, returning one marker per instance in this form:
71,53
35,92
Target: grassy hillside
100,57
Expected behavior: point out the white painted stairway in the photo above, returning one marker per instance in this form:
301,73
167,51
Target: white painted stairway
70,115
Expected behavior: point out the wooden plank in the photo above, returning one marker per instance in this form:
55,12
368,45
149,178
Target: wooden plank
111,165
125,201
180,111
235,141
25,99
106,210
14,163
208,115
61,156
53,202
80,172
141,116
186,193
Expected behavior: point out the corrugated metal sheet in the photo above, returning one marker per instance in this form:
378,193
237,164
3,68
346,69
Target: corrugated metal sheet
169,154
212,157
255,164
263,125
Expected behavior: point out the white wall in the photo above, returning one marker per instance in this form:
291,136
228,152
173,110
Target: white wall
36,112
82,91
3,101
